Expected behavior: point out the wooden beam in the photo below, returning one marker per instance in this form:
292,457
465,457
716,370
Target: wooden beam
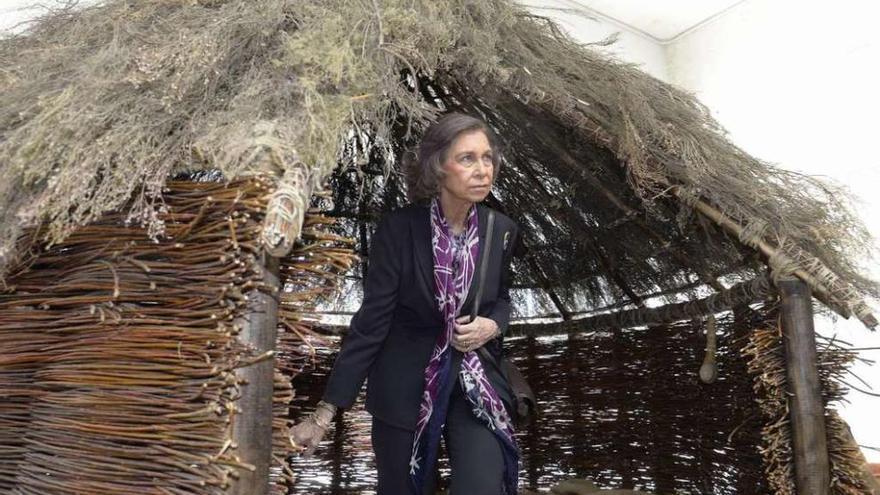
252,423
360,216
743,293
807,413
823,294
608,307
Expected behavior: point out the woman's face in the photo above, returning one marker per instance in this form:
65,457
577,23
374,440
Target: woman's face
469,168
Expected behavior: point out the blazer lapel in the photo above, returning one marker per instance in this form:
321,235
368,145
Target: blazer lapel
421,229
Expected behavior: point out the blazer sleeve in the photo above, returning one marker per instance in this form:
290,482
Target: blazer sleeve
501,312
370,324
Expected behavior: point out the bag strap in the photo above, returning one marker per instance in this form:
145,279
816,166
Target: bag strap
484,264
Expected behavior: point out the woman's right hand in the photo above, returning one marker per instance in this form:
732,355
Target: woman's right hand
308,433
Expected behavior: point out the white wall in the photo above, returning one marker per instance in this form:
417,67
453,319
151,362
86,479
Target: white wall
796,83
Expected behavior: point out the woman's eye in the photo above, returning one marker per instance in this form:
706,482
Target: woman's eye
467,159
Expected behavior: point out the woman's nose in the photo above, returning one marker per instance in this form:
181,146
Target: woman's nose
485,168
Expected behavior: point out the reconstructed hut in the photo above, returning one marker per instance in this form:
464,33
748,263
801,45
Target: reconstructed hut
180,181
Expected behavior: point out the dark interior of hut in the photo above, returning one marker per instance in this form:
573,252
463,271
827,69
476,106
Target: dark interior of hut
621,404
592,244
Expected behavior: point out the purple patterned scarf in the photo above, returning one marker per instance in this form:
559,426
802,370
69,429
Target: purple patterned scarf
454,268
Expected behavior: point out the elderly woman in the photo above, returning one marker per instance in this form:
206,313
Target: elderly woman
412,335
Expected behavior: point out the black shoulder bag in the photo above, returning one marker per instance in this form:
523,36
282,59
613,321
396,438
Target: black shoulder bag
525,403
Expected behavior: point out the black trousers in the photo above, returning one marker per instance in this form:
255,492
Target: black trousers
474,453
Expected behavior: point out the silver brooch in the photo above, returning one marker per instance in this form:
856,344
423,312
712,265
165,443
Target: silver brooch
506,238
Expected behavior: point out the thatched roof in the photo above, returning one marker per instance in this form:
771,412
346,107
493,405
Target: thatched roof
607,166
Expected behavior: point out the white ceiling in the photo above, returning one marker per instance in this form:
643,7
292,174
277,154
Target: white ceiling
662,20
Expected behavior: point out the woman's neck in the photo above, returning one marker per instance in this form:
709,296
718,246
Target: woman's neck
455,211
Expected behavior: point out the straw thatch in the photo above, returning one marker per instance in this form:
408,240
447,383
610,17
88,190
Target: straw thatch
100,104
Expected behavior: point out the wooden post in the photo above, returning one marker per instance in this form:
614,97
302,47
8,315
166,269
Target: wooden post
252,425
812,474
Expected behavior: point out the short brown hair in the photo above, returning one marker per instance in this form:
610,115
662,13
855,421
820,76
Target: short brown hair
423,168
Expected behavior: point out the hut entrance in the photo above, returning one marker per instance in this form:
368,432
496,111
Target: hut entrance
615,301
623,408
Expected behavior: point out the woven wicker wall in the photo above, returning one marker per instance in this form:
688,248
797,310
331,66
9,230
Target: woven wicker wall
117,371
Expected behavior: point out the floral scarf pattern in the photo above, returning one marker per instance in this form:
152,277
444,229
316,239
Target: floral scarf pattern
454,269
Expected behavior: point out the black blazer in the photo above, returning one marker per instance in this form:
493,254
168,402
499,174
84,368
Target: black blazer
392,335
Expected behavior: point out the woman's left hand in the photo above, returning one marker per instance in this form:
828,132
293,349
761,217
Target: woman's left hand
470,336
